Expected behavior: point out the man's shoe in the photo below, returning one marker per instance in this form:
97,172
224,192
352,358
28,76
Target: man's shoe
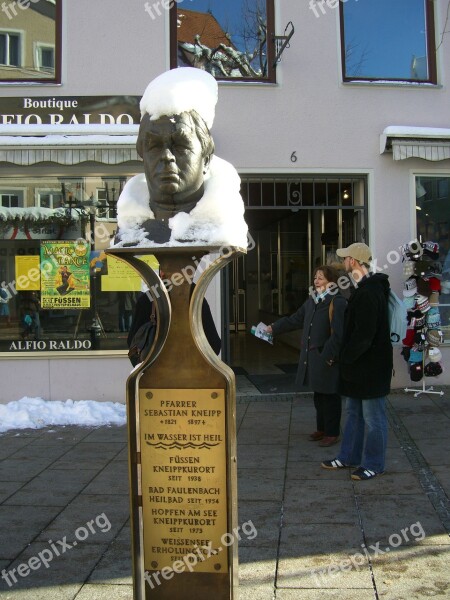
362,474
329,441
334,464
316,436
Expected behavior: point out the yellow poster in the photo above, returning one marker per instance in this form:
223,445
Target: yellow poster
123,278
28,273
65,275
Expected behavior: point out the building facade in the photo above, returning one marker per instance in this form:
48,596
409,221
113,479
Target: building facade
335,114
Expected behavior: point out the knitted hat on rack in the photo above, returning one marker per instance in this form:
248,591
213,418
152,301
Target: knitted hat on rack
427,268
408,269
415,356
422,303
410,287
434,354
418,321
434,299
435,337
416,371
423,287
433,319
408,340
419,340
431,249
445,287
406,353
411,251
433,369
435,284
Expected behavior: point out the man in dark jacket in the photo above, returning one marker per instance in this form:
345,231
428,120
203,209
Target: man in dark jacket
365,367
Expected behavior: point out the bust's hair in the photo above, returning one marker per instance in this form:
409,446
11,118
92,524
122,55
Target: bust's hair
201,129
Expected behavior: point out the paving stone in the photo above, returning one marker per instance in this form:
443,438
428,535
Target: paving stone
23,469
65,572
10,445
435,451
311,470
51,488
386,516
113,479
297,489
443,475
258,592
319,508
308,539
116,564
265,518
107,434
256,565
20,525
391,484
256,484
318,571
84,509
7,488
322,594
413,573
105,592
261,456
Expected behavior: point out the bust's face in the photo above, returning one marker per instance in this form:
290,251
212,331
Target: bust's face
173,160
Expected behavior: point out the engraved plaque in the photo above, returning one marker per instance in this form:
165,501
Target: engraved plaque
183,475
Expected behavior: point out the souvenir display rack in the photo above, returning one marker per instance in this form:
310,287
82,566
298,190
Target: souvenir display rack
422,272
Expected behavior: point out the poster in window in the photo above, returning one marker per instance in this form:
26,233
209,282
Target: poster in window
28,273
65,277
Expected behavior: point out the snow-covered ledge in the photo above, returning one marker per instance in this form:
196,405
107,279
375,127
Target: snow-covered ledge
68,144
428,143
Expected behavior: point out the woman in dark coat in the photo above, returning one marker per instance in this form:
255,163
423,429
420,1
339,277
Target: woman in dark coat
322,319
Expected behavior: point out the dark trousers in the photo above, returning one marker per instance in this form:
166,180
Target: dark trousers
328,413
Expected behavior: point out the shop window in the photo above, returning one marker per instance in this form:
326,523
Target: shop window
230,40
433,224
30,51
47,223
388,41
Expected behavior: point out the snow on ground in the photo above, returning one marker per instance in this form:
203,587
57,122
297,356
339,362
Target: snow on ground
36,413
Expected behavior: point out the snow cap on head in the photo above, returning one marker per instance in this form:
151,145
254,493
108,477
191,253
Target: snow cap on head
181,90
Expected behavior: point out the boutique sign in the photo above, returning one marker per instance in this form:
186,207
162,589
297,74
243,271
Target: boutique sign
49,345
63,110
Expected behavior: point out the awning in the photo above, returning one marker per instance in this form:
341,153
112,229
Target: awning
428,143
68,145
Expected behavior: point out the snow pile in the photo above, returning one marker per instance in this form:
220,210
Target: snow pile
181,90
35,413
218,218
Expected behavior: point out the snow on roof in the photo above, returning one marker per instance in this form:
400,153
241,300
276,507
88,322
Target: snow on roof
406,131
70,140
93,129
181,90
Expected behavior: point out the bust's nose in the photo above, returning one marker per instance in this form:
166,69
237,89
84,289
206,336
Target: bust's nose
167,155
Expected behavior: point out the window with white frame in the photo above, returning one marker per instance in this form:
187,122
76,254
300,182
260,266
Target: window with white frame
11,199
45,57
49,198
33,52
10,49
433,224
388,40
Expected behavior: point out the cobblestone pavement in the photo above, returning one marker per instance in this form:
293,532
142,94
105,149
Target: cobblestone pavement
320,535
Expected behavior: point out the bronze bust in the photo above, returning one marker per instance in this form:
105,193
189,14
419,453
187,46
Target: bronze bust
184,201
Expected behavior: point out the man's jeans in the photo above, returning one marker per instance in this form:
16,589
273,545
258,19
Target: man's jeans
360,413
